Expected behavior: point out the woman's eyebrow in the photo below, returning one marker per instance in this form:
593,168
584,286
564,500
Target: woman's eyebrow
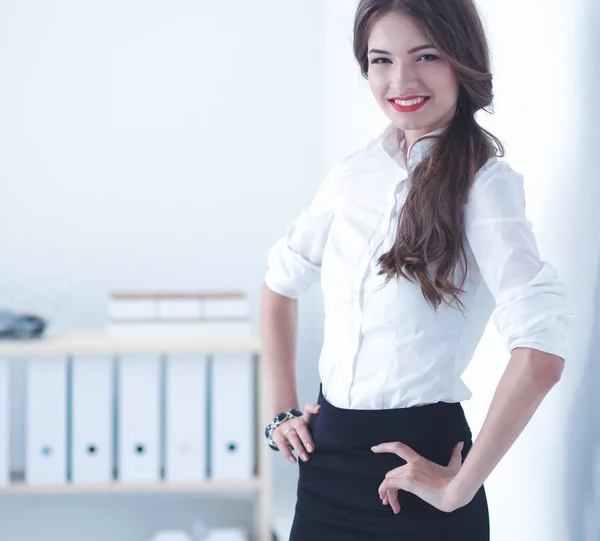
413,50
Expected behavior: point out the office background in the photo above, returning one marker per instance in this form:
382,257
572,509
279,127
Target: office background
162,145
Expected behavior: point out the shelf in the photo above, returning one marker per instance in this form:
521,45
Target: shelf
90,342
234,485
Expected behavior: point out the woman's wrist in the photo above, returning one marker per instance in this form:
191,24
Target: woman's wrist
283,406
279,419
458,494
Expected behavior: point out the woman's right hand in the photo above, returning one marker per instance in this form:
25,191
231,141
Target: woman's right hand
296,432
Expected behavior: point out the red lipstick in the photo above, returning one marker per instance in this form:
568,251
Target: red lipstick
410,108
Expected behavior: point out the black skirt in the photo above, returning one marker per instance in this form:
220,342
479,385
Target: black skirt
337,498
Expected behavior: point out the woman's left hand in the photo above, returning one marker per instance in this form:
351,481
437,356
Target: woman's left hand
426,479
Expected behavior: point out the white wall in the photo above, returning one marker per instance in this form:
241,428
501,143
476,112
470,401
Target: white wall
149,145
142,142
546,79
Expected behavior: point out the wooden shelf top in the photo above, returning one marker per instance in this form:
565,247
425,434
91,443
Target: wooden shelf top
212,485
98,341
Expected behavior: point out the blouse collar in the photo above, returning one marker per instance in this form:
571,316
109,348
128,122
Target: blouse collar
392,140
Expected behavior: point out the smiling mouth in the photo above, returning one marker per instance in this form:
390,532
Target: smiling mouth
409,104
409,100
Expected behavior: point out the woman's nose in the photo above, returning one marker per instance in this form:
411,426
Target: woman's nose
404,75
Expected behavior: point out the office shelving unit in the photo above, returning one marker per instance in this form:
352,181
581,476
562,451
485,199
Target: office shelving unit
92,342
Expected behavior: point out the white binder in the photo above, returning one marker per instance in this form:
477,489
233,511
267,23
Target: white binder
139,418
4,423
186,418
91,419
46,421
231,415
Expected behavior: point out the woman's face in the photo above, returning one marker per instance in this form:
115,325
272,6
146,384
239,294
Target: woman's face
422,79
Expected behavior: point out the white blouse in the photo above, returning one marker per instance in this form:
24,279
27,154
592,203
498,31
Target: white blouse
385,347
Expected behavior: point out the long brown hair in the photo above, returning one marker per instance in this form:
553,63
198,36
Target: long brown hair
430,226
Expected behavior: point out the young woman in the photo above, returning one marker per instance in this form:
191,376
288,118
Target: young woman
415,240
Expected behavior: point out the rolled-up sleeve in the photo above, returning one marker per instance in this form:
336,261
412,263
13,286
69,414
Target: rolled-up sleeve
294,260
532,305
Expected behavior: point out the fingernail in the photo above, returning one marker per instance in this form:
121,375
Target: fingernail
309,448
292,460
304,457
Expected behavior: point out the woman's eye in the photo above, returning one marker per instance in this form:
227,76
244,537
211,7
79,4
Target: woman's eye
375,61
425,58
